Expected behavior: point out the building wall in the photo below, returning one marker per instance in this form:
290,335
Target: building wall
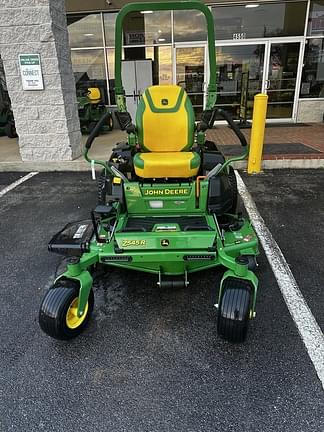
310,111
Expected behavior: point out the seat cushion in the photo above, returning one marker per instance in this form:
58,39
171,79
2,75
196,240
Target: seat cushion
167,164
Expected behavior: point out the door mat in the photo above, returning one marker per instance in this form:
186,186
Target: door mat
272,149
273,125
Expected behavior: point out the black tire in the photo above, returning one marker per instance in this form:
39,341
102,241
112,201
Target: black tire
110,123
91,126
252,262
234,309
233,185
102,188
10,130
54,308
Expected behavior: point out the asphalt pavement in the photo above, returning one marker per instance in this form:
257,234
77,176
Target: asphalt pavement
151,359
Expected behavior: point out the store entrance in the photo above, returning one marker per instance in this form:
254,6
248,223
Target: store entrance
270,67
280,82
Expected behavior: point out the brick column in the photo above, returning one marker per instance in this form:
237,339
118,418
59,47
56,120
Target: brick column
46,120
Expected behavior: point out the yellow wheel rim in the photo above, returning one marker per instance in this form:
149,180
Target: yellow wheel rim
72,319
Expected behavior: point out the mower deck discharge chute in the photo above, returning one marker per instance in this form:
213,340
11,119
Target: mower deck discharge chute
166,205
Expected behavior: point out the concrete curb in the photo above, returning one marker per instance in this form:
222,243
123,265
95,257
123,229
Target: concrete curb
85,166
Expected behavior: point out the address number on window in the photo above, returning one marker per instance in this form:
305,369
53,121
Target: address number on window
237,36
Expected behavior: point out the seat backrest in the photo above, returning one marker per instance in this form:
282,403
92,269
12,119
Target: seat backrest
94,95
165,120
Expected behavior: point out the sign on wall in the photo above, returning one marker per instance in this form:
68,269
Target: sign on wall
31,73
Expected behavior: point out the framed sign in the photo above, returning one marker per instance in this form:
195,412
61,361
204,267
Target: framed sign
30,71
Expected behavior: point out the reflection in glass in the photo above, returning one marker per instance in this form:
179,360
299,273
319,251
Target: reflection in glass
232,62
316,18
190,74
109,24
282,79
312,85
85,30
162,64
265,20
110,53
89,70
147,28
189,26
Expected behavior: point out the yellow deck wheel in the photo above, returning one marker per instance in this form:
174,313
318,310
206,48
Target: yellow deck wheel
72,319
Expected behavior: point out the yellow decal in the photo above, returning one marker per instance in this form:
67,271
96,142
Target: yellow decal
127,243
164,192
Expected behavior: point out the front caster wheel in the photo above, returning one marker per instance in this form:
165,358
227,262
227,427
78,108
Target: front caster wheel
58,312
234,309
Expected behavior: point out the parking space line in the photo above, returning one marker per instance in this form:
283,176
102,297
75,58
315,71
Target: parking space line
308,328
17,183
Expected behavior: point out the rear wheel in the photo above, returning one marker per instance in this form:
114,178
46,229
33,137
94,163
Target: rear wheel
10,130
58,312
233,186
234,309
110,122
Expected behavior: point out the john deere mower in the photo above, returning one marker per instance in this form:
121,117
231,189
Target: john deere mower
166,205
91,109
7,122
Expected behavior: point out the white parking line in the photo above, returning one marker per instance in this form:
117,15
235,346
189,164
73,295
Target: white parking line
17,183
307,326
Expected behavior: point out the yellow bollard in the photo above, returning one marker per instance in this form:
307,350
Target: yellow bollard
257,133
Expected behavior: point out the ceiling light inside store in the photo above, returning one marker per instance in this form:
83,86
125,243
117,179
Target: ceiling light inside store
88,34
252,6
146,12
161,40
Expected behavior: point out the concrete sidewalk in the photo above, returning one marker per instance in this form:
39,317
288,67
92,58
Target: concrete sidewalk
289,146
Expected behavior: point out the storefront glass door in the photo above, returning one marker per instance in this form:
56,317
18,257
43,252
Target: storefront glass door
268,66
280,81
190,74
239,69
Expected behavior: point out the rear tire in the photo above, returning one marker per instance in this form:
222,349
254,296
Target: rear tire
57,312
233,185
110,123
104,187
10,130
234,309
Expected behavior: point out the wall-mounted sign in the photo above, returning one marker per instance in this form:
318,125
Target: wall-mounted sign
31,73
135,38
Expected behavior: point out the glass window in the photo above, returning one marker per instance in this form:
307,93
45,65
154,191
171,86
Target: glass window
312,85
89,70
85,30
260,20
149,27
109,23
111,74
190,74
189,26
316,19
232,63
161,57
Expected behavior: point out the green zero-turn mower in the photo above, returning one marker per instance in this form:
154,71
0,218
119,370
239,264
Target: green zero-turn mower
91,109
166,205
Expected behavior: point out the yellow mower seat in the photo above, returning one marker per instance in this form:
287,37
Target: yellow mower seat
94,95
165,124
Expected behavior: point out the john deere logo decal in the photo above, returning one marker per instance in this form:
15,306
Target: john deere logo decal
165,242
165,102
167,191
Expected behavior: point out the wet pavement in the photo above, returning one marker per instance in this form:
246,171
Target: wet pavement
150,359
